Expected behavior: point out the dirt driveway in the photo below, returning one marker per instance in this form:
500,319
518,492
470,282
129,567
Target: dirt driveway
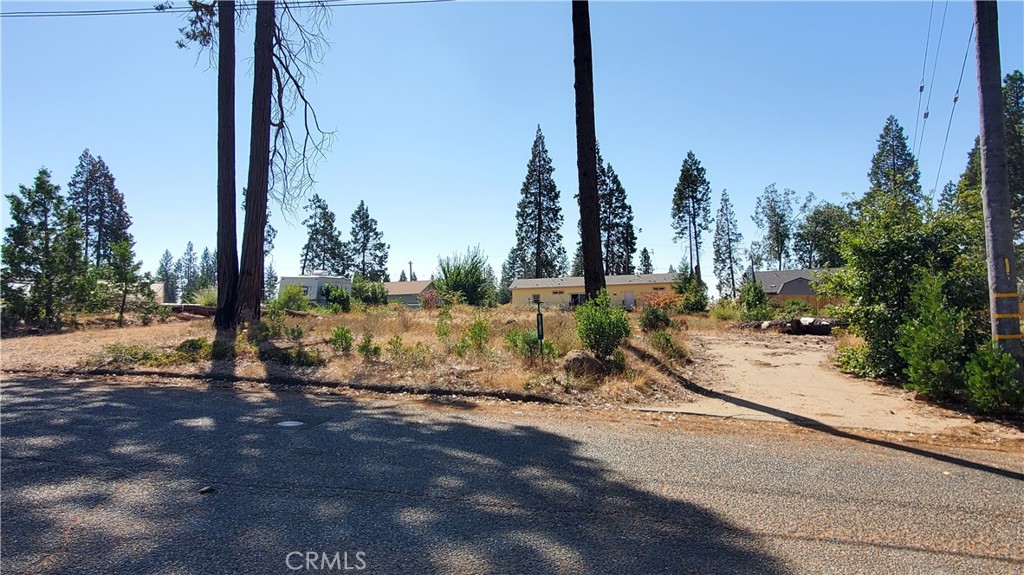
771,377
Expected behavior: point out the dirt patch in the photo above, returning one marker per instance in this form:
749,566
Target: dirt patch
782,378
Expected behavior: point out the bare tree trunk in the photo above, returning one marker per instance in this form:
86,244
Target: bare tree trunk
995,193
586,150
227,240
250,280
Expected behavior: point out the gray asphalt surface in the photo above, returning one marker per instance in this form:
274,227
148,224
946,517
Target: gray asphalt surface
106,479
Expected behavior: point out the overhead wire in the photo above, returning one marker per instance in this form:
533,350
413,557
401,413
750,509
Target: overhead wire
956,97
924,70
935,65
188,9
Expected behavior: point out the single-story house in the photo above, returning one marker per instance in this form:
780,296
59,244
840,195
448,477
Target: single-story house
311,284
159,292
408,293
623,290
784,285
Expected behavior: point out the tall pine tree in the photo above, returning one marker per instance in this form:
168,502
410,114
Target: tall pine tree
369,252
726,245
187,270
538,252
646,262
100,205
691,208
618,237
165,272
893,168
324,249
208,268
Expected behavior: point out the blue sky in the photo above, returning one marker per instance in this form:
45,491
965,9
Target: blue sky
435,108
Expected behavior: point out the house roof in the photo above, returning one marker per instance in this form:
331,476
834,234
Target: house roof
316,277
576,281
407,288
772,281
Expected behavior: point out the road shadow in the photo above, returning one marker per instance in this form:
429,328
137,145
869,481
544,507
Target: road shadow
811,423
101,478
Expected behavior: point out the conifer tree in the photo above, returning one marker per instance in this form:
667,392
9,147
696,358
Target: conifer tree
691,208
43,269
893,168
646,262
100,205
208,269
324,249
125,276
402,277
618,237
270,282
538,252
165,273
187,270
369,252
412,277
726,245
774,216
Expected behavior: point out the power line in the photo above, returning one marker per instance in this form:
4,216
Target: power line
924,68
956,97
935,65
188,9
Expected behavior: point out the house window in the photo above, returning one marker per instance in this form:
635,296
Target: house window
659,289
557,292
305,291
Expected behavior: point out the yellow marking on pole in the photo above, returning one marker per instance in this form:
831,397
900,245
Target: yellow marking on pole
1005,294
1009,336
1006,316
1006,263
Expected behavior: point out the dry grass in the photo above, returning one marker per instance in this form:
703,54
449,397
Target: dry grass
421,358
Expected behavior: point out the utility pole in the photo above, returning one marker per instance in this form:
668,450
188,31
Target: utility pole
995,188
586,150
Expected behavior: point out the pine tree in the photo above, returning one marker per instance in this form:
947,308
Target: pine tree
402,277
43,269
893,168
646,262
691,208
412,277
165,273
367,245
187,270
726,247
324,249
773,214
1013,111
100,205
618,237
125,276
539,252
270,283
208,269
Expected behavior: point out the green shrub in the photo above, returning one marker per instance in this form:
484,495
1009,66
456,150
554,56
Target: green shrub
667,346
295,332
617,362
752,296
461,347
693,293
205,296
992,381
291,297
394,347
369,350
341,339
195,349
524,343
725,310
336,297
467,275
601,327
795,308
853,359
120,354
478,334
932,342
763,313
164,313
370,293
443,327
223,350
300,356
653,319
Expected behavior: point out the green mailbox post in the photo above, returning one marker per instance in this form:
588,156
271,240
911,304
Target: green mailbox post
540,321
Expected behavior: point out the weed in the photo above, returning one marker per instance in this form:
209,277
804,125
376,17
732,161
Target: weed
369,350
667,346
341,339
300,356
295,332
725,310
478,333
654,319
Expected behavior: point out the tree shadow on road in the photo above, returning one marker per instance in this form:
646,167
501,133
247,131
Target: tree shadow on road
811,423
107,479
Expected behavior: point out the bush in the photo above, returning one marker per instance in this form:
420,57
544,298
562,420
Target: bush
693,293
667,346
653,319
524,343
665,300
295,332
795,308
443,327
336,297
205,296
468,275
369,350
932,342
853,359
195,349
430,299
601,328
370,293
291,297
763,313
992,381
478,334
341,339
725,310
298,357
752,296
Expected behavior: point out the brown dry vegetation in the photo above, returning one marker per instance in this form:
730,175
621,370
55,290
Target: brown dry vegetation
424,360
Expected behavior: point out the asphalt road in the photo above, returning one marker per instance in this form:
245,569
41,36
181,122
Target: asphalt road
107,479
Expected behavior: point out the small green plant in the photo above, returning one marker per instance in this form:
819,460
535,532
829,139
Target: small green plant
600,326
443,327
341,339
795,308
124,355
461,347
754,302
992,381
205,296
617,363
368,349
163,312
667,346
478,334
693,293
395,348
337,299
194,349
370,293
295,332
291,297
653,319
300,356
726,310
853,359
223,350
524,343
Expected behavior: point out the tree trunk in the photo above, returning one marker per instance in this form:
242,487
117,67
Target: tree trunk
250,277
586,150
227,240
124,304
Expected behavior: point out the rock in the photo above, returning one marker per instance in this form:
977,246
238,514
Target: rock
579,363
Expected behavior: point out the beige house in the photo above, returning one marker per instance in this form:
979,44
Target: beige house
408,293
567,291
